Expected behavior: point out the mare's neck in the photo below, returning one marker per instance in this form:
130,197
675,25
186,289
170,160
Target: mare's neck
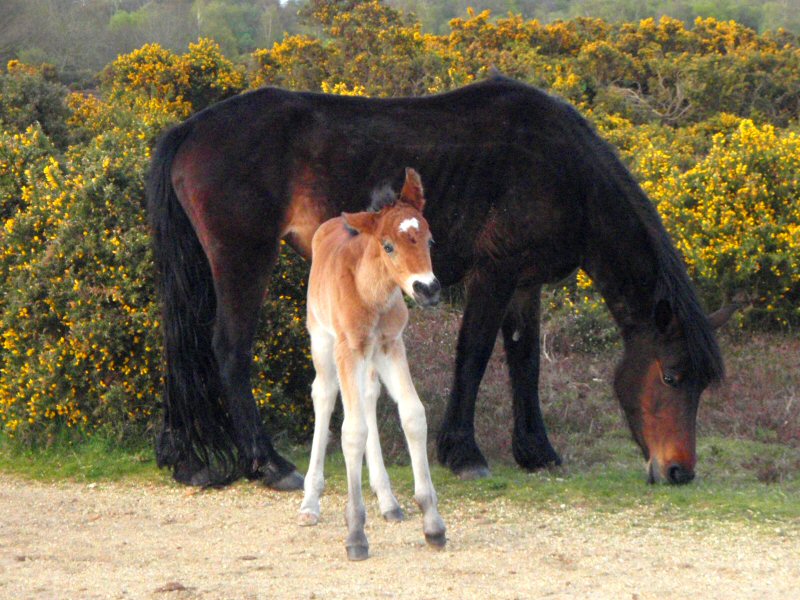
626,271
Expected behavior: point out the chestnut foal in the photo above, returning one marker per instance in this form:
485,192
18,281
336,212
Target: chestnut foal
356,316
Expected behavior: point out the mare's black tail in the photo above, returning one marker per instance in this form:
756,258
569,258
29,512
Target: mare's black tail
197,438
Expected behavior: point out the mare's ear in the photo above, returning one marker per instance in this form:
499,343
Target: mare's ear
363,222
665,320
718,318
412,190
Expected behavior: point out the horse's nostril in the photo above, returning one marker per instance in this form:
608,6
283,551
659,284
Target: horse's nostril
679,475
428,290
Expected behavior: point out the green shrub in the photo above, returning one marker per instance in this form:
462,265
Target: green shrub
30,95
79,318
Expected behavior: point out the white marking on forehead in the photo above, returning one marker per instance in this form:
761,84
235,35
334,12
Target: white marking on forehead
408,224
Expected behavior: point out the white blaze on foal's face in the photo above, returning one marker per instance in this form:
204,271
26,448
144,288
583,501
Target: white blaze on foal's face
407,224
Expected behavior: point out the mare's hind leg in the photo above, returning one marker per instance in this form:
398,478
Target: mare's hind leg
530,445
240,282
323,393
378,477
173,449
488,294
393,368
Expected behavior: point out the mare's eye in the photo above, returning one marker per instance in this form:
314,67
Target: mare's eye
430,243
388,247
670,379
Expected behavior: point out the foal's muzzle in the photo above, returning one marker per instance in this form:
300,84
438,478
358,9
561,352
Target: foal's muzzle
427,294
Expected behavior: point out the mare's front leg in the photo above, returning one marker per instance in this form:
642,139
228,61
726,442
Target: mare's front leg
488,294
393,368
530,445
351,368
323,393
240,282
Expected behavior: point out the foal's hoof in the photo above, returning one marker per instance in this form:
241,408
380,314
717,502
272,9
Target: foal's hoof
307,519
394,516
436,540
359,552
288,483
470,473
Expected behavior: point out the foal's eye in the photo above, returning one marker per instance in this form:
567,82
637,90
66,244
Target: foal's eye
430,243
388,247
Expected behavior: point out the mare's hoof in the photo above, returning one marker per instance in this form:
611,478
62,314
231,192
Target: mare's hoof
394,516
199,478
436,540
359,552
470,473
307,519
532,456
288,483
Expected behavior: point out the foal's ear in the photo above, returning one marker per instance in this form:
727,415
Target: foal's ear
363,222
412,190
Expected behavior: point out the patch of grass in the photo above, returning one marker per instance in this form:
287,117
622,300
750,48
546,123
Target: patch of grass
91,460
729,487
725,491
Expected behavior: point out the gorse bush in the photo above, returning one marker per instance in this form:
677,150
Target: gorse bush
31,95
79,317
735,216
699,114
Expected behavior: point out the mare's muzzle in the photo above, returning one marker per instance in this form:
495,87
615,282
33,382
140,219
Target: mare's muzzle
427,294
674,473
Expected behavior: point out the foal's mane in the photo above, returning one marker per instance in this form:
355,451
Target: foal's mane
384,197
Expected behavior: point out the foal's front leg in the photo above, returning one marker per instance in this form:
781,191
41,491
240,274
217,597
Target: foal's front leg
323,393
351,368
393,368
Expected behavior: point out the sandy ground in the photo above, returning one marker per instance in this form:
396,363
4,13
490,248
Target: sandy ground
70,540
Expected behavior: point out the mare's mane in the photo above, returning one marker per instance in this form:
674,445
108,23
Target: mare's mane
672,283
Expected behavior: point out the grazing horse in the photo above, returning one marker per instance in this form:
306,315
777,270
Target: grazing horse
520,191
363,262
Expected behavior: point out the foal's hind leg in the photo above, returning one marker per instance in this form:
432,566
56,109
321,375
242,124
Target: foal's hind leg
393,368
378,477
240,281
323,393
530,445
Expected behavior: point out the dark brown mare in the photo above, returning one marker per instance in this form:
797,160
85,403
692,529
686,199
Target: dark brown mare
521,191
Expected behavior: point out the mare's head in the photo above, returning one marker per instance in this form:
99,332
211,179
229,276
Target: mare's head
659,382
405,241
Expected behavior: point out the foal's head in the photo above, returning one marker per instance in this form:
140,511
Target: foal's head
405,241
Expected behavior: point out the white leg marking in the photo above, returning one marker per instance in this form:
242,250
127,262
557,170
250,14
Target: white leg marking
323,393
393,369
378,477
352,372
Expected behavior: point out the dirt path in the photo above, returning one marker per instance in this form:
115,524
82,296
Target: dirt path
105,540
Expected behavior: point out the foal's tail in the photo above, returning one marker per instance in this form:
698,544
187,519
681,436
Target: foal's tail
196,441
